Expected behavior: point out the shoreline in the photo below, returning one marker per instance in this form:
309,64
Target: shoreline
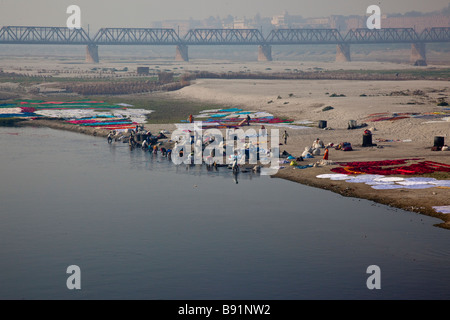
409,201
60,125
384,197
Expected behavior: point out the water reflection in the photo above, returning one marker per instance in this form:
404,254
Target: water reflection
144,159
235,177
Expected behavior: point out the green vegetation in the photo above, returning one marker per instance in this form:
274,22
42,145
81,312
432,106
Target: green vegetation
171,110
166,110
416,73
406,74
31,80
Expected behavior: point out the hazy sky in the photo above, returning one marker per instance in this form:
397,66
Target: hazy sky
140,13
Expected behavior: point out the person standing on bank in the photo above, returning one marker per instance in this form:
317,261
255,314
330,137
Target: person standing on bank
285,136
325,156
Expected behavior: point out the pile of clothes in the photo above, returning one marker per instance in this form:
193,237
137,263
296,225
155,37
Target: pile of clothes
314,150
344,146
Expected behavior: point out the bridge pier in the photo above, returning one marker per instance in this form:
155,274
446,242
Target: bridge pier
92,53
182,53
418,54
343,52
265,53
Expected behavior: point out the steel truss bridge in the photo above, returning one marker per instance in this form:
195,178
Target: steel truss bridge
161,36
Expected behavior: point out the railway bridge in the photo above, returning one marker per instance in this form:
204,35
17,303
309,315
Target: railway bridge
229,37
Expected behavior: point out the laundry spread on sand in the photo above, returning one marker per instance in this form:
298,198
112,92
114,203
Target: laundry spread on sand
393,116
288,126
443,120
303,167
235,117
442,183
96,114
387,187
391,167
392,140
15,111
442,209
380,182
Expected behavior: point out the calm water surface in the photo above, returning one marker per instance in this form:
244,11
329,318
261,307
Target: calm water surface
141,228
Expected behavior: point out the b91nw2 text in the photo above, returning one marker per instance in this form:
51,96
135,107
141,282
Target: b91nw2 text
246,309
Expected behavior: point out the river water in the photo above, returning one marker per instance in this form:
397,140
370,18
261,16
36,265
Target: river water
140,227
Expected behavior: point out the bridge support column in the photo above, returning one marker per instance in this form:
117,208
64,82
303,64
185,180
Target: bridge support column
343,52
92,53
182,53
418,54
265,53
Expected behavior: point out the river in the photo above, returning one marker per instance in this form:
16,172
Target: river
140,227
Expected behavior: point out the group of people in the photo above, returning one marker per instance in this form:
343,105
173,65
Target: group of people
149,143
153,148
312,151
315,150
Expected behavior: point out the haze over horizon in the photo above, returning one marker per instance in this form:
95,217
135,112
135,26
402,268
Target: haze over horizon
141,13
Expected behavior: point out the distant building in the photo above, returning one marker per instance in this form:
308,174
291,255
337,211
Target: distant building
318,23
181,26
338,22
241,23
418,23
283,21
280,21
290,21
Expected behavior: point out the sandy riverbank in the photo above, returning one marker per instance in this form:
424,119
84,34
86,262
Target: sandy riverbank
304,100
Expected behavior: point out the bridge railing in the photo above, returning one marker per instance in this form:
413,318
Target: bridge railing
43,35
304,36
435,35
223,36
387,35
160,36
138,36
